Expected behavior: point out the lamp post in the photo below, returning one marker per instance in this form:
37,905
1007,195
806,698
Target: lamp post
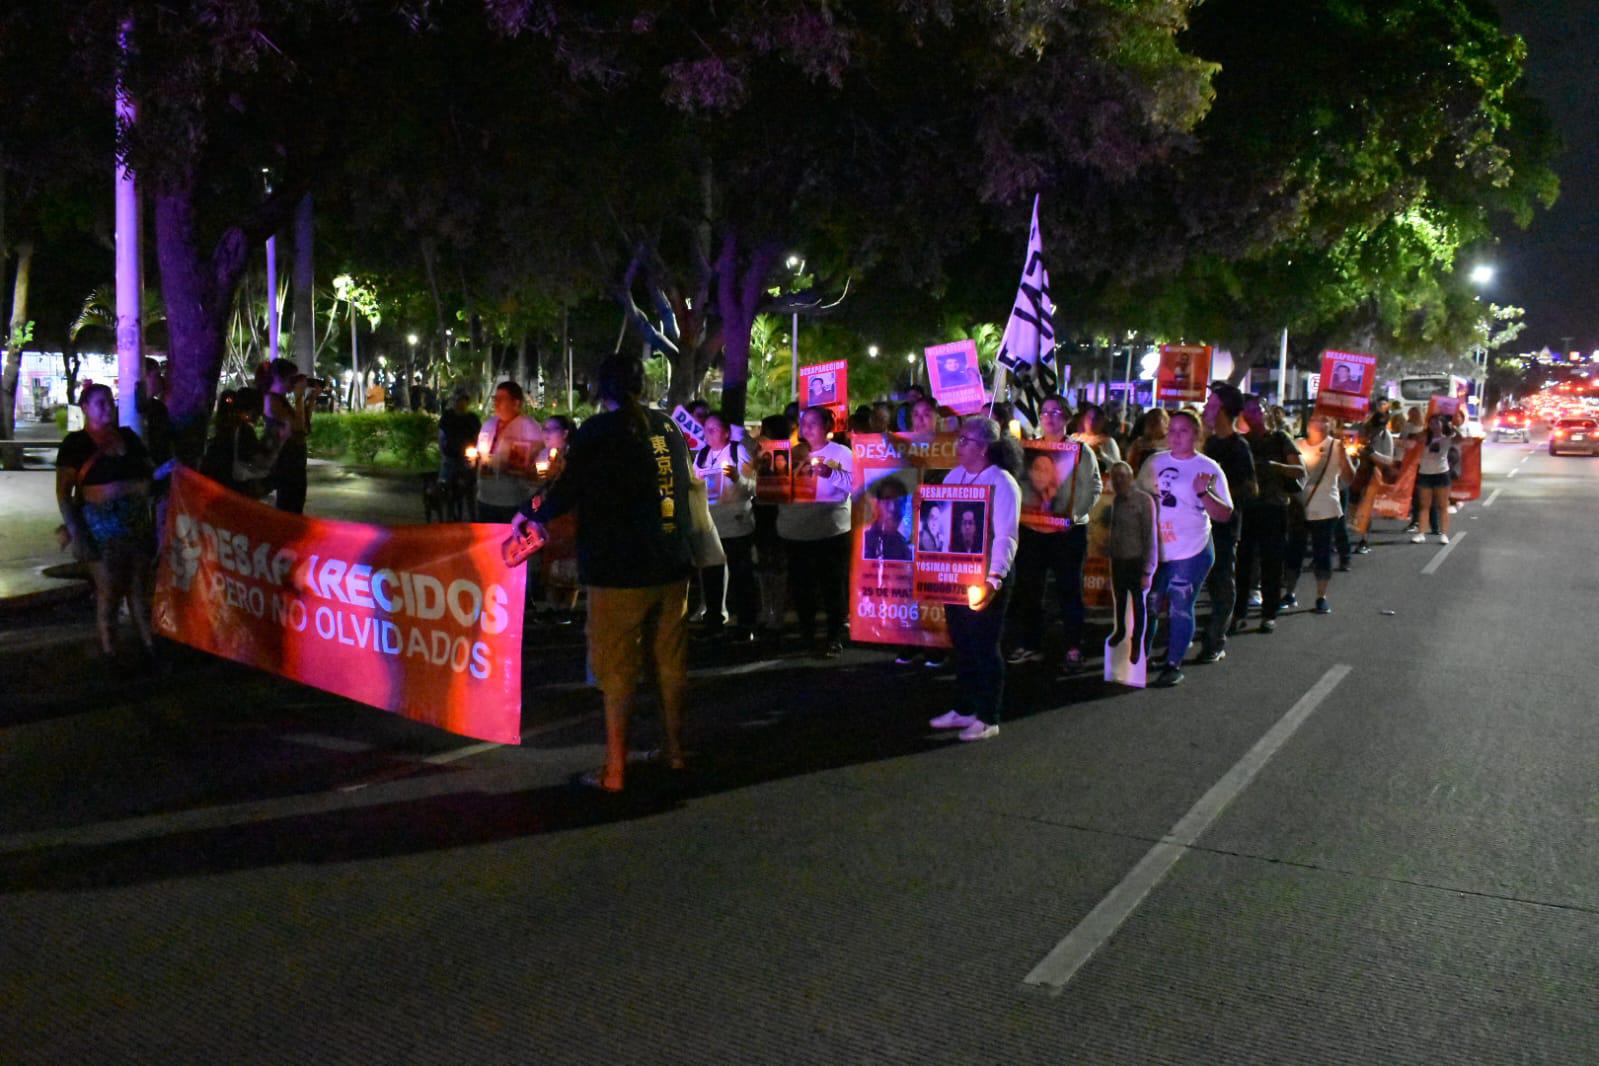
796,263
1482,275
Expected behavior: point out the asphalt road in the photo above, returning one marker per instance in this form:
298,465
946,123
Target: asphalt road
1370,837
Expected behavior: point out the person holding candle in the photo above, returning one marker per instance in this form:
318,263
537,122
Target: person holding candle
728,470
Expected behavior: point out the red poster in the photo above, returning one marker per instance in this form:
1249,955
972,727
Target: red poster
774,477
884,606
827,385
1049,476
951,540
956,376
1439,404
423,621
1347,379
1184,374
1469,485
1386,498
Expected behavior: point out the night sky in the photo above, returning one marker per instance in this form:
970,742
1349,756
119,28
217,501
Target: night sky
1552,268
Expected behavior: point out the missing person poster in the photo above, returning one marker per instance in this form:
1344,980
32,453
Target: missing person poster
1468,486
421,621
690,427
1390,499
1184,373
774,478
1345,387
1049,476
827,385
888,469
1439,404
951,540
956,376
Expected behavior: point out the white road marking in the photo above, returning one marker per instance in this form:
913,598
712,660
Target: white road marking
1061,964
1514,472
1443,553
1492,496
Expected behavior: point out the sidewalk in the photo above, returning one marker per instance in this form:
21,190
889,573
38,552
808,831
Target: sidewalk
28,518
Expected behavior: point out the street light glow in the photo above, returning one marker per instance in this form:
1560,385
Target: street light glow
794,261
910,357
411,339
1482,274
871,350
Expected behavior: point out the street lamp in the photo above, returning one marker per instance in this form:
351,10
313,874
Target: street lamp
871,350
411,339
1482,274
344,286
796,263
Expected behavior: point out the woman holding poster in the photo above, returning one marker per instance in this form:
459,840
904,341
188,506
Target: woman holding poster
725,466
816,533
1063,483
974,627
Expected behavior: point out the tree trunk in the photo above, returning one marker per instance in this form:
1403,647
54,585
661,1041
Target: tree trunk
198,291
739,296
70,361
305,285
13,364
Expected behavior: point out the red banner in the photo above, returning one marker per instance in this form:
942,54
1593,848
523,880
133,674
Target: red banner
423,621
1347,379
884,606
1469,485
827,385
1390,498
1184,373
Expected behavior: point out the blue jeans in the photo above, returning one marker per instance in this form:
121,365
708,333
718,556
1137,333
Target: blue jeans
1178,583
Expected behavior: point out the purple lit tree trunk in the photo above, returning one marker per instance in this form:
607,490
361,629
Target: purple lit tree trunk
15,335
305,285
130,262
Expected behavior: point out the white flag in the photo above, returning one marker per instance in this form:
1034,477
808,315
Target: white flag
1030,334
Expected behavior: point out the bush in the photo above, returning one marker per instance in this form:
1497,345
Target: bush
329,437
411,435
367,435
60,416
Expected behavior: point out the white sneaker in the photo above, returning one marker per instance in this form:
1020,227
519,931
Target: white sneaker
1443,538
953,720
979,730
1419,538
1453,509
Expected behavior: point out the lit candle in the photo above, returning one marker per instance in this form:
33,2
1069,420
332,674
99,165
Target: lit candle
471,453
974,596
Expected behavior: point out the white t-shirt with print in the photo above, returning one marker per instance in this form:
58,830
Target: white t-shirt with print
1184,524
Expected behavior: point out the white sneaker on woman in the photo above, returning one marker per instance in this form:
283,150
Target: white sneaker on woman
1419,538
1443,538
953,720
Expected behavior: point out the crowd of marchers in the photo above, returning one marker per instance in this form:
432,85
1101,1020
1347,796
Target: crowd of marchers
670,543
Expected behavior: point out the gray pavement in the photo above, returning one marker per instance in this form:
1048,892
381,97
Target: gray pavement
220,866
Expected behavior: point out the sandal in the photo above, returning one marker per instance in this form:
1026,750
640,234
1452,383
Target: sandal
595,779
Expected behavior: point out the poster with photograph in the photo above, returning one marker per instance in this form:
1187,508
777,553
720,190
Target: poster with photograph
1439,404
956,376
951,540
1049,474
690,427
827,385
1184,373
774,480
1344,391
888,469
1126,660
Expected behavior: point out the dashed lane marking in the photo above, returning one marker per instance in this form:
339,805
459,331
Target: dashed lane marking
1443,553
1091,934
1492,496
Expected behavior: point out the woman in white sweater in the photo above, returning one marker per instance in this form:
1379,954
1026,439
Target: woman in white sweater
975,629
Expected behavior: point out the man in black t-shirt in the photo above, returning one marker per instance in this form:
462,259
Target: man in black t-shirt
458,430
627,478
1238,465
1278,472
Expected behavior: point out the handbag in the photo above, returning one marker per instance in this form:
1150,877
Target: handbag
703,542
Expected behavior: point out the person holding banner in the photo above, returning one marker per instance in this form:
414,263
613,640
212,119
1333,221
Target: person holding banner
103,478
1278,472
1377,461
627,478
725,466
1068,495
984,455
1224,445
1327,468
1191,490
1440,457
816,534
